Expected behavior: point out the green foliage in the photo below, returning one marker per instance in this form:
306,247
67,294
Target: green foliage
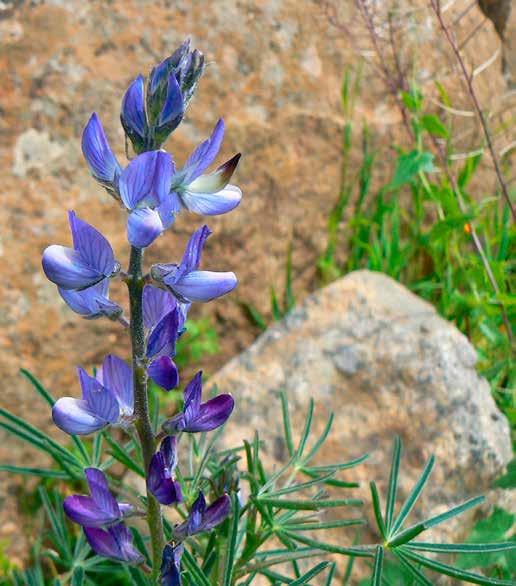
499,526
201,339
278,309
273,531
411,227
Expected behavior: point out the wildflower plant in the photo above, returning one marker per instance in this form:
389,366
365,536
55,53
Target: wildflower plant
228,519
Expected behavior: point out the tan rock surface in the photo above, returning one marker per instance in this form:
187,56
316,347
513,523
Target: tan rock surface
385,364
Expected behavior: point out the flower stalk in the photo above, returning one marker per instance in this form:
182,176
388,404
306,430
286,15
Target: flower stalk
135,284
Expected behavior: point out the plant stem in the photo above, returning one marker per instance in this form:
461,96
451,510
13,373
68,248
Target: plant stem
135,284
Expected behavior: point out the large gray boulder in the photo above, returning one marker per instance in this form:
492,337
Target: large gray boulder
386,364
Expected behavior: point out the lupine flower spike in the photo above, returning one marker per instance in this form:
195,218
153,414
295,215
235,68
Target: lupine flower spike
151,193
197,416
107,399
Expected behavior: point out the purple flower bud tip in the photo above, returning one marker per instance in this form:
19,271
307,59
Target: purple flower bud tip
197,416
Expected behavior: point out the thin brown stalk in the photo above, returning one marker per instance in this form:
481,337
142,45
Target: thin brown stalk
468,78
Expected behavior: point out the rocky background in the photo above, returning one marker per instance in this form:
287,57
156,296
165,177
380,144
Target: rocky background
275,74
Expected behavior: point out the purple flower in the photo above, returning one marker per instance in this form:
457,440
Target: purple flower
107,399
189,284
93,302
133,116
98,154
101,509
203,518
115,543
160,476
210,194
164,320
170,573
89,261
145,191
197,416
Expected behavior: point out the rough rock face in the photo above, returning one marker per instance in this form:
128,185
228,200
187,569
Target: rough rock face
386,364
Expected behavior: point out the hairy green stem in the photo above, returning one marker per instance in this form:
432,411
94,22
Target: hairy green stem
135,284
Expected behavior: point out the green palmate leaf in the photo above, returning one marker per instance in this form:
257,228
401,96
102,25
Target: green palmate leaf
287,426
377,510
273,558
320,440
38,387
413,496
331,575
306,430
298,487
138,577
315,526
41,472
315,472
25,430
416,572
341,466
455,572
364,551
315,571
393,484
376,579
199,578
123,455
78,576
482,548
232,543
312,505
